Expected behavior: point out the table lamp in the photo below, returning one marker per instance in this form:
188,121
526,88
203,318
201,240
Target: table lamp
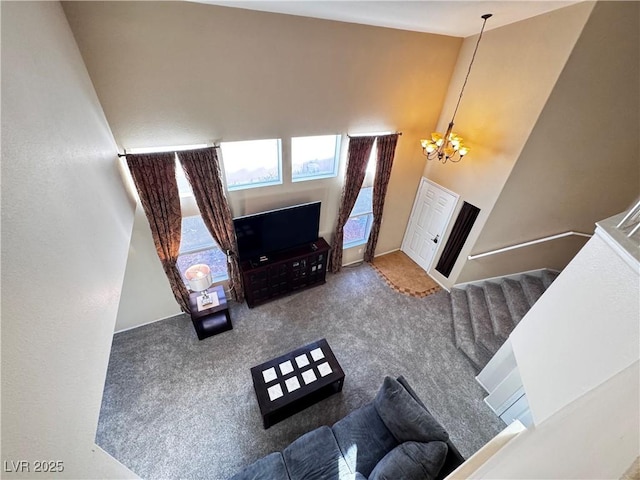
199,278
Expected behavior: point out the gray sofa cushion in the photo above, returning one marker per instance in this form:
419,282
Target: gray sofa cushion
405,418
411,461
363,438
316,455
270,467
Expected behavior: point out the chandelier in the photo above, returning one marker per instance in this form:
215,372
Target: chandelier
450,146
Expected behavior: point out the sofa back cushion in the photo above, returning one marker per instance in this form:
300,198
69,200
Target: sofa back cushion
405,418
270,467
411,461
315,455
363,439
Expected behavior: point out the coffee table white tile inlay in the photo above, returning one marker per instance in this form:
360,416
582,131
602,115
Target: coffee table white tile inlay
275,392
309,376
317,354
269,374
292,384
302,360
286,367
324,369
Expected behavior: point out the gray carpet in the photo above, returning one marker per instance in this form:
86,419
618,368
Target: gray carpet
176,407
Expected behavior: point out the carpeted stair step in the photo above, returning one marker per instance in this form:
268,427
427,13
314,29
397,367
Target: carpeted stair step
533,288
481,320
499,310
463,331
516,299
548,276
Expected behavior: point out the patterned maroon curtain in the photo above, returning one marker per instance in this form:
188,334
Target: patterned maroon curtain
357,159
202,169
154,176
384,162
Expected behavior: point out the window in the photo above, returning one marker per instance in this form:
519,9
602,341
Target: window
358,227
314,157
197,246
253,163
184,187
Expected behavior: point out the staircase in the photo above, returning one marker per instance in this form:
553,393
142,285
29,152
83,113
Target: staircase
485,313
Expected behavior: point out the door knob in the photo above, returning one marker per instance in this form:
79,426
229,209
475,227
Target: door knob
435,240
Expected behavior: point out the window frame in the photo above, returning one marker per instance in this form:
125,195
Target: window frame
336,159
246,186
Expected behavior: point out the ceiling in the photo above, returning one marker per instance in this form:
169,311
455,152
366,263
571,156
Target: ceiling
459,18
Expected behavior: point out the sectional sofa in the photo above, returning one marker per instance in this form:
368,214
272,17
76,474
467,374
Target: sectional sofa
393,437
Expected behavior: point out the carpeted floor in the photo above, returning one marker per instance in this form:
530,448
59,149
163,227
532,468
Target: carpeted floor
404,275
176,407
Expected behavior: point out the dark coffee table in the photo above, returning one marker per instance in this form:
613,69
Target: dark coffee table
294,381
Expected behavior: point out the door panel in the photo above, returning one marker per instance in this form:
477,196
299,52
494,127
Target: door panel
430,216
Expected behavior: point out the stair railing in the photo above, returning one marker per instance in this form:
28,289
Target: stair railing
630,224
529,243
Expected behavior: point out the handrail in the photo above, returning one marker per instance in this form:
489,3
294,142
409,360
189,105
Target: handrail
631,221
526,244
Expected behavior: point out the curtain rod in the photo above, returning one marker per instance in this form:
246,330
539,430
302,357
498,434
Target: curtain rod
166,151
373,134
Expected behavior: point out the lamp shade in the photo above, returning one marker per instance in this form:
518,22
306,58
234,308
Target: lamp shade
199,277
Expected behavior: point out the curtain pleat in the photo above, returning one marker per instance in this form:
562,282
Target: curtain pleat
154,176
202,169
357,159
386,152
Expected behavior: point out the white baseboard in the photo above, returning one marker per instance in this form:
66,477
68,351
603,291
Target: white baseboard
444,287
147,323
355,262
362,261
384,253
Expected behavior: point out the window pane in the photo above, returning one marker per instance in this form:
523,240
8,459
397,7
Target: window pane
214,257
184,187
356,230
251,163
314,157
364,203
195,234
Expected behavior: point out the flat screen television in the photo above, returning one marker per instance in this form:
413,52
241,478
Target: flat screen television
265,233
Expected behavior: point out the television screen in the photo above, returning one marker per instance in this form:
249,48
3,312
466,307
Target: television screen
268,232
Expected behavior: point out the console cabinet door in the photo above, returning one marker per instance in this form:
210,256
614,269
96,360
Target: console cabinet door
299,270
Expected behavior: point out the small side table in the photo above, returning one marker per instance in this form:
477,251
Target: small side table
212,320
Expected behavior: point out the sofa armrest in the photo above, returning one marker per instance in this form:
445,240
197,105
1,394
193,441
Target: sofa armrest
454,459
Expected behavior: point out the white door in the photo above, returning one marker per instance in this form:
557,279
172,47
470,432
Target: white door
432,210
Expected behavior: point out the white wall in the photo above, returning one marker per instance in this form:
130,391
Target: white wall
578,355
595,437
514,73
66,224
582,331
144,274
561,182
172,73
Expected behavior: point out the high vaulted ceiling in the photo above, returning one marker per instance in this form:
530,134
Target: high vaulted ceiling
459,18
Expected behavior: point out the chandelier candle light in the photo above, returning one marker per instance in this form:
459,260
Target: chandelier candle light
449,146
199,278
